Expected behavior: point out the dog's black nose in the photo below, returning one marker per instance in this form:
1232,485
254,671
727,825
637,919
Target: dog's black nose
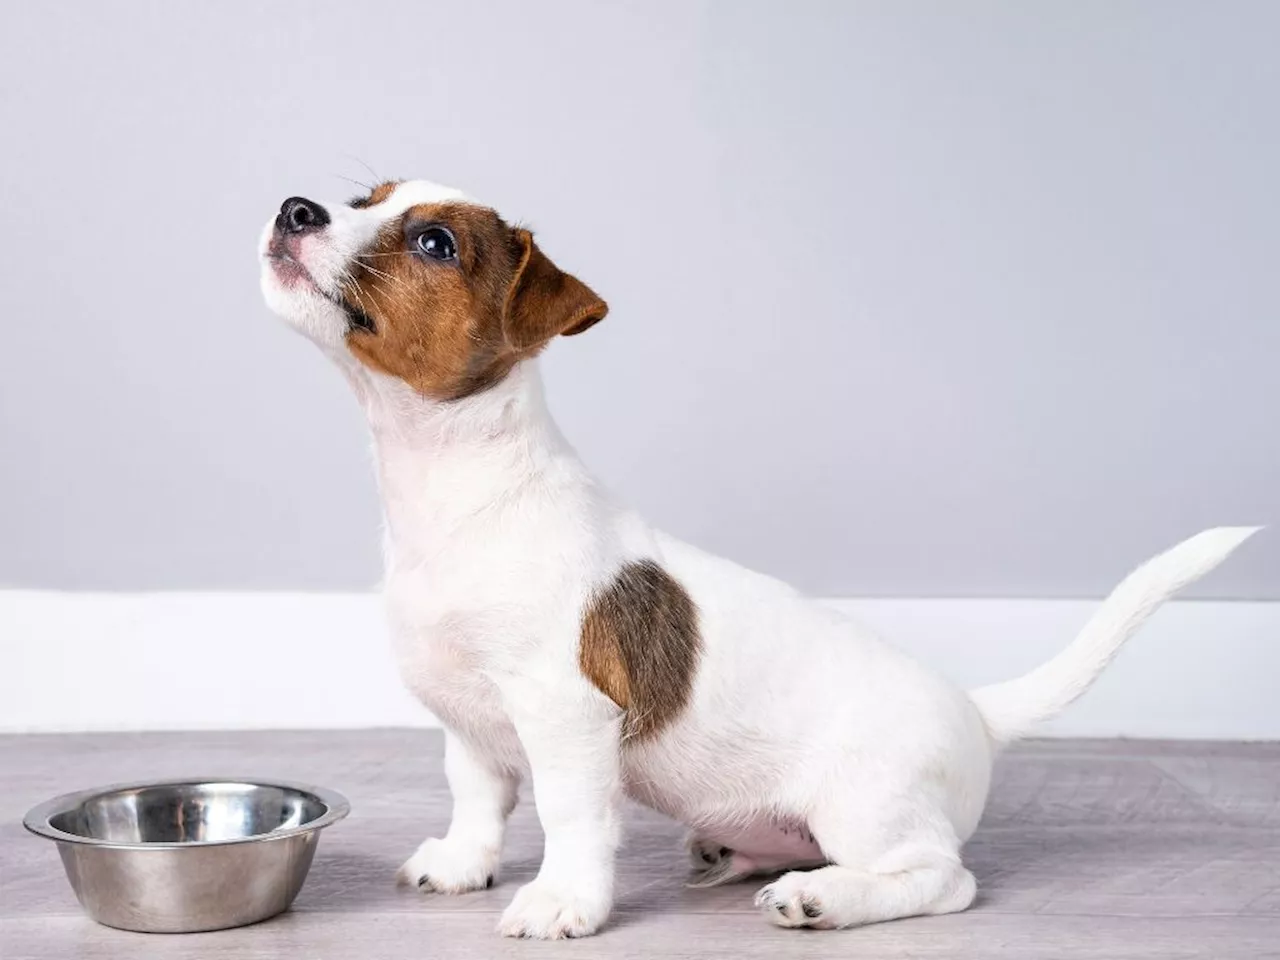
298,214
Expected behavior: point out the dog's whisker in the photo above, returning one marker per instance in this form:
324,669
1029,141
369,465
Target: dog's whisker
383,274
350,281
361,290
358,183
377,177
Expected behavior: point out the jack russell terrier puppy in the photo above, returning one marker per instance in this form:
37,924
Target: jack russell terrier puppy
558,636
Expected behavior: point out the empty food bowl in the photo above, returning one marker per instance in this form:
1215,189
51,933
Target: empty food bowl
187,855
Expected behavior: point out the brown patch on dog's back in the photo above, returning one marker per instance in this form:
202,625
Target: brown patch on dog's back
640,646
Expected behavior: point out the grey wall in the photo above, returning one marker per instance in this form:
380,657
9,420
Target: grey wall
952,298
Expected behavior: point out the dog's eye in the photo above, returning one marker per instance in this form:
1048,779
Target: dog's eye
438,243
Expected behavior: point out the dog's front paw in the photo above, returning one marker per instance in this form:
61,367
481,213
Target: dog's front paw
541,911
445,866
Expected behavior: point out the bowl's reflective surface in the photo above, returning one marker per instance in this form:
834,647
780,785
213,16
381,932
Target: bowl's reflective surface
189,855
188,812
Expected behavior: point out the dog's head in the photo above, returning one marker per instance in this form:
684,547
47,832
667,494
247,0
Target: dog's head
419,282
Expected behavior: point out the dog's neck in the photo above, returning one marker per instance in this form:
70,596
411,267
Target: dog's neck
441,464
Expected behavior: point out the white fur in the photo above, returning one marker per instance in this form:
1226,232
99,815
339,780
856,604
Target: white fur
807,740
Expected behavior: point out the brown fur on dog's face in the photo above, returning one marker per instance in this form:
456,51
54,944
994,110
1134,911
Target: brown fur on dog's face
452,327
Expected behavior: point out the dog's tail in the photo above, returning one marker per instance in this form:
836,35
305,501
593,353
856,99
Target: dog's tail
1012,708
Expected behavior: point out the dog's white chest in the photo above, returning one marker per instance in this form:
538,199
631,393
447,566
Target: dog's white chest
436,652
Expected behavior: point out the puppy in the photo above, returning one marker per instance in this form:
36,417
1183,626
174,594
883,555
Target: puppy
557,636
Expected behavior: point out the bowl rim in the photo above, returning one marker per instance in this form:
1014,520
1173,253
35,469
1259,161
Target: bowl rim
37,818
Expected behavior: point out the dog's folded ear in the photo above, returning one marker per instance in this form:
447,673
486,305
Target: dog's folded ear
544,301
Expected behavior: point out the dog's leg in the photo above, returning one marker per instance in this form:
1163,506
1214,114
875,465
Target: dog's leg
484,795
766,849
714,863
902,864
572,742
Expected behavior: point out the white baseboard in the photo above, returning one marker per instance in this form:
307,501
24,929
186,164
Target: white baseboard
73,662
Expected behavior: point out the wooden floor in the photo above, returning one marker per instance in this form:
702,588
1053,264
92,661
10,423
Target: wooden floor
1108,849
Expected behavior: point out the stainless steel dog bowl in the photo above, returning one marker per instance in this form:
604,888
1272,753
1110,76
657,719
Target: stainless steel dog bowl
187,855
